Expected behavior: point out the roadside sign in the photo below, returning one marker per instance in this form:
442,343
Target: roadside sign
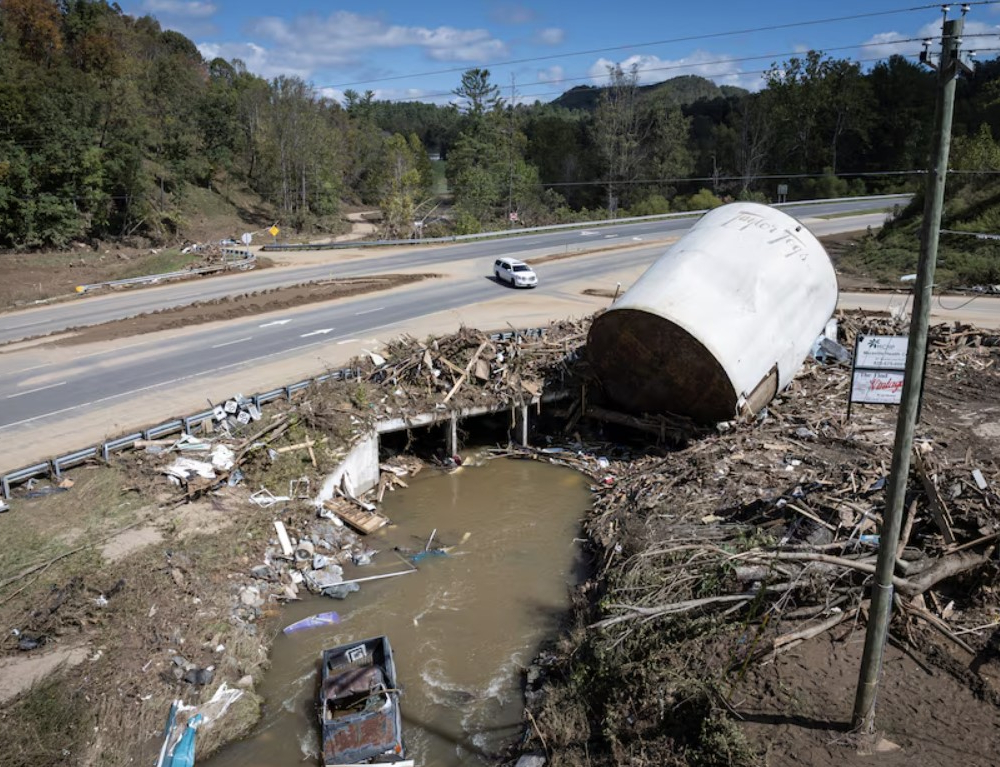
274,230
881,352
878,370
877,387
247,238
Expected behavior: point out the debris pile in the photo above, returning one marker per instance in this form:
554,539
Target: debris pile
755,538
472,368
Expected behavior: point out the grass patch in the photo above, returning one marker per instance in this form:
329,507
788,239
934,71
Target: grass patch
42,528
963,260
440,183
170,260
47,725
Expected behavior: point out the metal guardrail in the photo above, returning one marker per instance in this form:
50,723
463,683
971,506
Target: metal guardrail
186,425
190,424
550,228
247,261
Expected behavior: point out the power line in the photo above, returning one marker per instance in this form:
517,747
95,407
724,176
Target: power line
700,64
684,39
675,67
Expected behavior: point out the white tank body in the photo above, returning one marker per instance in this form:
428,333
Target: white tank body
722,321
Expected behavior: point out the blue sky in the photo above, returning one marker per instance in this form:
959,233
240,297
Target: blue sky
413,50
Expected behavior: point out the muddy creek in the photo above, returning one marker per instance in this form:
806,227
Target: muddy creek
461,628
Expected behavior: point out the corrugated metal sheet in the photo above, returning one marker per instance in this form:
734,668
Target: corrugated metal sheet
721,321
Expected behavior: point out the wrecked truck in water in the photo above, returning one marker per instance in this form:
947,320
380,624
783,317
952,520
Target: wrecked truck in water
359,705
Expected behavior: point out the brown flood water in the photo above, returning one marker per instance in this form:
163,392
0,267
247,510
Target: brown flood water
461,628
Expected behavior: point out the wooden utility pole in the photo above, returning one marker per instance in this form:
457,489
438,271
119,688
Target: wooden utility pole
863,718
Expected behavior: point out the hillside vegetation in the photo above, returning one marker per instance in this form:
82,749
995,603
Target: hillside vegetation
110,128
969,245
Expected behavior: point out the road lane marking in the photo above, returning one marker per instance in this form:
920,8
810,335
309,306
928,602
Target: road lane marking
199,374
230,343
322,332
348,341
369,311
40,388
274,322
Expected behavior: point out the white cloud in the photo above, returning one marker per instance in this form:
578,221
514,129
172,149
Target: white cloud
551,75
311,43
349,37
886,44
257,59
334,94
720,68
977,35
550,36
187,8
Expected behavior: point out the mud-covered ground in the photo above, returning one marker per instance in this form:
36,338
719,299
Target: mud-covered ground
234,307
677,652
726,617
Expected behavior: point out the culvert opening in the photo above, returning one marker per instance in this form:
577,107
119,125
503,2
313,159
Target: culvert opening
425,442
432,442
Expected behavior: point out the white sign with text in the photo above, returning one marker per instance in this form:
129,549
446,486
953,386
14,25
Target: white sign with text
877,387
881,352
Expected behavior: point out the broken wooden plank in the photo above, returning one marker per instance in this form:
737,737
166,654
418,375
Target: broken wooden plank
365,522
283,539
465,374
939,512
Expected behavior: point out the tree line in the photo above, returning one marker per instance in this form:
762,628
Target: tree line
107,121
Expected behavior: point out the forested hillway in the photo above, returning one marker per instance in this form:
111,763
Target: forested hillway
111,127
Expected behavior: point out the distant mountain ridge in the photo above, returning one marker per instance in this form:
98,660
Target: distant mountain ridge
682,90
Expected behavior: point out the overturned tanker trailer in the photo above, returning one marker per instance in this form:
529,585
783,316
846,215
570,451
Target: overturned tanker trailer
721,322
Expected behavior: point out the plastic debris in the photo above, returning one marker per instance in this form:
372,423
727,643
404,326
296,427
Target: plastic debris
313,621
340,590
186,468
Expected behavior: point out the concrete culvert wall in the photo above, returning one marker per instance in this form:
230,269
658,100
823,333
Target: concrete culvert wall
722,321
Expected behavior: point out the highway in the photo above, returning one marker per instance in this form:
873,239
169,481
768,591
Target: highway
55,399
97,309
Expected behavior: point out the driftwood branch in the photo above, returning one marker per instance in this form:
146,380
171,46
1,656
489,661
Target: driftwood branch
953,564
945,567
787,641
936,623
640,611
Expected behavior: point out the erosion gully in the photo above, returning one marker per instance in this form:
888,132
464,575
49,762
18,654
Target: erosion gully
462,628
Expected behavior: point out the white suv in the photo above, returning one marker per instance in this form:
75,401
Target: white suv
517,273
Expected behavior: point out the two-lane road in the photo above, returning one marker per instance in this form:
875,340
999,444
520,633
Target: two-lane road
97,309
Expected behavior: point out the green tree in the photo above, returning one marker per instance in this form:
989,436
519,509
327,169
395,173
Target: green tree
618,134
422,163
488,172
478,93
401,184
820,106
